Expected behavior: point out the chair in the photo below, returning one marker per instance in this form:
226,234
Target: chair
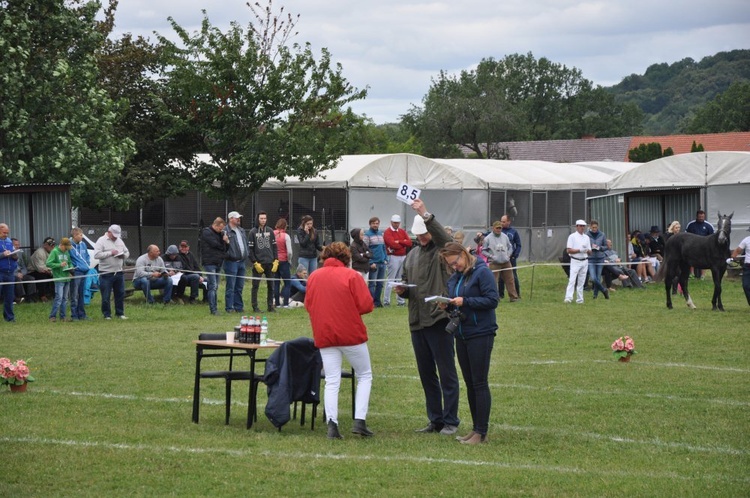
292,375
229,375
345,374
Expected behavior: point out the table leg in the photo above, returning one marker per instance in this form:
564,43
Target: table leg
197,385
252,395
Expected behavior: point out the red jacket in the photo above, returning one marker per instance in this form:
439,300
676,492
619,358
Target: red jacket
396,241
336,297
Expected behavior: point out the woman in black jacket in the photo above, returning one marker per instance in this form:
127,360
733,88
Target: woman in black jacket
360,253
309,245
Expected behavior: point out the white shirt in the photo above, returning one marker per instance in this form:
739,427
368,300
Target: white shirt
745,244
579,241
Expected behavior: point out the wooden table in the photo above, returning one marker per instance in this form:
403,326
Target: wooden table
251,350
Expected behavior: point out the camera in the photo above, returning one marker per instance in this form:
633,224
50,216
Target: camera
456,317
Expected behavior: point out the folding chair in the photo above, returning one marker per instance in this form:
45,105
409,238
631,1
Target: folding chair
228,375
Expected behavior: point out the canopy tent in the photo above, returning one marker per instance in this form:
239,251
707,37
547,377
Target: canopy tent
463,193
673,189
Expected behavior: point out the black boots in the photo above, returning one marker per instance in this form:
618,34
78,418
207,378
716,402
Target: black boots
333,430
360,427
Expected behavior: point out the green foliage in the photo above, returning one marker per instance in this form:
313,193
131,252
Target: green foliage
513,99
669,94
109,414
259,107
729,111
56,123
648,152
156,171
696,148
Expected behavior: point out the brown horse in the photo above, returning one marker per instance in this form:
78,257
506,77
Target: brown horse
684,250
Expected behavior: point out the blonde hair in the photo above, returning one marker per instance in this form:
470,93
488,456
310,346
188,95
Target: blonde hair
456,249
673,225
337,250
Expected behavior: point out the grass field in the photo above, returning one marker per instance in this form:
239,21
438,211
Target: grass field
109,414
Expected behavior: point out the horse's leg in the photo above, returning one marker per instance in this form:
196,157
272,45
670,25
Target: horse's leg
669,277
717,274
684,277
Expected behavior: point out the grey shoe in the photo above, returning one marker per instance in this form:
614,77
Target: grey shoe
449,430
429,428
333,430
360,427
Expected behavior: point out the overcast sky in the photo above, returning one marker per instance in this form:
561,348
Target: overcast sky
394,48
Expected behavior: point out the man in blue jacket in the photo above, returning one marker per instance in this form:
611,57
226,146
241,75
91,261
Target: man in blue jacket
515,239
235,266
699,226
376,242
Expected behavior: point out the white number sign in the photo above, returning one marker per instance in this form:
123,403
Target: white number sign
407,194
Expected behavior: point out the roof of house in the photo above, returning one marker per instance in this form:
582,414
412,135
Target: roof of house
616,149
681,144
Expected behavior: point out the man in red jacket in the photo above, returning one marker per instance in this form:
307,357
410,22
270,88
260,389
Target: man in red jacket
397,242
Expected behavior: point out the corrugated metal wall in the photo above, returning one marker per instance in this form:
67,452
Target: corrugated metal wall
50,215
609,211
36,212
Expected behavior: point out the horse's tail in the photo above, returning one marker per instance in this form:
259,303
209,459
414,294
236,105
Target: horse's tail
662,272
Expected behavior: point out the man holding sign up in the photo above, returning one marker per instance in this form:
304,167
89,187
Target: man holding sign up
433,346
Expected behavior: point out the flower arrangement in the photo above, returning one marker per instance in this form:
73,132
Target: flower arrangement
623,348
15,374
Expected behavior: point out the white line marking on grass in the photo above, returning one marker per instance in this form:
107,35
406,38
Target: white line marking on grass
349,457
645,363
671,397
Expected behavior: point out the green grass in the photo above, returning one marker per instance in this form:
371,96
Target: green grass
109,414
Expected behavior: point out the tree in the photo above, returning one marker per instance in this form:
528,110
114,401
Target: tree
56,124
729,111
513,99
126,68
648,152
259,107
696,147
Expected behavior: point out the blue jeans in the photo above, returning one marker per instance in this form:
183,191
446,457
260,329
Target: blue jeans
212,279
310,263
61,299
77,308
147,283
107,283
192,280
474,359
595,273
746,282
284,274
235,274
8,291
376,287
433,347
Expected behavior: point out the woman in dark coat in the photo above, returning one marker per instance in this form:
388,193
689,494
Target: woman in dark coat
473,298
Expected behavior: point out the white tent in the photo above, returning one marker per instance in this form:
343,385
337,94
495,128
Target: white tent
722,177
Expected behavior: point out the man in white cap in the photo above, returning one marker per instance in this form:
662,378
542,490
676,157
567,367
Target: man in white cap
235,264
579,249
397,242
112,253
434,349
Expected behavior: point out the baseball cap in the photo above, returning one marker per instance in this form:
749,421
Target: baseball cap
115,230
184,243
49,241
418,228
497,224
580,222
234,214
396,218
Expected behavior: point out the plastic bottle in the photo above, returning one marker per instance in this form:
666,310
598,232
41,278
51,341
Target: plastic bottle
244,329
264,332
256,330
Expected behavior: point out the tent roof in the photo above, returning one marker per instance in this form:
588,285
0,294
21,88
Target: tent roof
391,170
541,175
687,171
386,171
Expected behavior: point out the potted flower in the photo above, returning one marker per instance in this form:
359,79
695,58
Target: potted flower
623,348
16,375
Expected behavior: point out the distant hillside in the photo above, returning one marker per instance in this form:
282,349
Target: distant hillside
668,94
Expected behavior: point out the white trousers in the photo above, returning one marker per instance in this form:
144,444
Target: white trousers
395,270
359,358
578,270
